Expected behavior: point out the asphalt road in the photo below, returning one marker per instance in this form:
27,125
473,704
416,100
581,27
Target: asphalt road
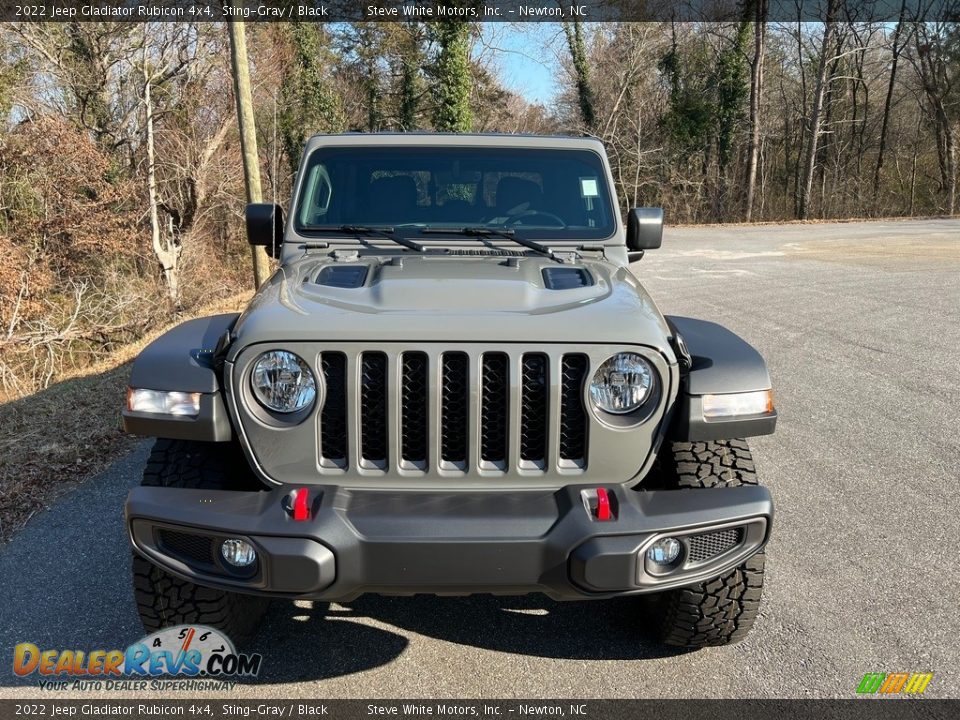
860,324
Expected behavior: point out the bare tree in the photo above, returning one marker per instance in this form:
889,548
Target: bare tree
165,245
816,111
938,76
756,87
896,48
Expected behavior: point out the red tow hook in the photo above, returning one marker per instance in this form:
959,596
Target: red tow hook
603,505
301,507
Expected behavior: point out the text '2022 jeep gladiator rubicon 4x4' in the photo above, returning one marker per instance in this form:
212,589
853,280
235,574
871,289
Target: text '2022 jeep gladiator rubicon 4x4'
452,384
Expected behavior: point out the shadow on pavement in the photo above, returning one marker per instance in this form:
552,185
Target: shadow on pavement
306,643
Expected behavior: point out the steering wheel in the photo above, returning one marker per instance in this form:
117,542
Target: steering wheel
514,219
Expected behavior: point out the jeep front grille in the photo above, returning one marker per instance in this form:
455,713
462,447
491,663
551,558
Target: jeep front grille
460,415
495,412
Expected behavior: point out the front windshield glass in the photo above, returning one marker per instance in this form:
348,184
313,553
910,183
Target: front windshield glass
553,193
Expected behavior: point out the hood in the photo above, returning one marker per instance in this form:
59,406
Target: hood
452,298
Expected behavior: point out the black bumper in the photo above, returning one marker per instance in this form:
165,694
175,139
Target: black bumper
502,542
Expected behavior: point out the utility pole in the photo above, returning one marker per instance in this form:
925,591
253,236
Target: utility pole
248,136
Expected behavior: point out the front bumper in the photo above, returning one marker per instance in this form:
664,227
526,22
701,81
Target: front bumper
366,541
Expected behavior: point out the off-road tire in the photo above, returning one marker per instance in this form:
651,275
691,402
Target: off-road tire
163,599
720,611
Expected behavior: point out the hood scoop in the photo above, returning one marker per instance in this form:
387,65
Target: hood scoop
343,276
562,278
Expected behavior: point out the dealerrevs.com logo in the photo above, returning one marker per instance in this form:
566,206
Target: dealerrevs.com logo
196,656
894,683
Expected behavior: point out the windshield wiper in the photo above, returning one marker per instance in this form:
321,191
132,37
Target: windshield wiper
387,232
480,231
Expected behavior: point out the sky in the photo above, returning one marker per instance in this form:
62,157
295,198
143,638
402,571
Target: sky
526,55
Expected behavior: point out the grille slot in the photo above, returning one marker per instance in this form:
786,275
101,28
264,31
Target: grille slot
534,401
373,408
197,549
709,545
333,419
413,408
454,408
494,408
573,416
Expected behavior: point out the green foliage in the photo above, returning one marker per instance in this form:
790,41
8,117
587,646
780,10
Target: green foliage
409,93
308,103
452,78
689,117
708,92
581,66
733,89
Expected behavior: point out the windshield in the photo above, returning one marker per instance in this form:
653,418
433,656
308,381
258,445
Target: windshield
549,193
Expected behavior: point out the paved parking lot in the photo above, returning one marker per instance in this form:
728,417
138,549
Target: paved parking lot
860,324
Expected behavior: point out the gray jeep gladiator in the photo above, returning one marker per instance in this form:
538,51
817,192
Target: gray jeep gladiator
452,384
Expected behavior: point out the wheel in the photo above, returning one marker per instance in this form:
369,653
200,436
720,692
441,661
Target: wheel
163,599
719,611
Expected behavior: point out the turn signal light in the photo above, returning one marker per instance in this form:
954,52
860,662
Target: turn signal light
737,404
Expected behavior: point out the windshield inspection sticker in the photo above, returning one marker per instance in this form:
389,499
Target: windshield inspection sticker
588,187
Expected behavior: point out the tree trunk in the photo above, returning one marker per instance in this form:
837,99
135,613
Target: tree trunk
248,137
167,251
951,142
888,103
913,168
816,111
756,85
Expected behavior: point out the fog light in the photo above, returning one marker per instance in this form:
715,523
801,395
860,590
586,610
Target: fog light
664,551
238,553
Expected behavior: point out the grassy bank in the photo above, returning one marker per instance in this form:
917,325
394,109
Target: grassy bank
54,439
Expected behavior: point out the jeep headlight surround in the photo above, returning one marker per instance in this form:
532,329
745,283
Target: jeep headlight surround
623,383
282,382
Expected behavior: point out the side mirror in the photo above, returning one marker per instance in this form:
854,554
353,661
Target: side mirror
644,231
265,226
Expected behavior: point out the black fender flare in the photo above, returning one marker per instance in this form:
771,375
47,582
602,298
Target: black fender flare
184,359
719,362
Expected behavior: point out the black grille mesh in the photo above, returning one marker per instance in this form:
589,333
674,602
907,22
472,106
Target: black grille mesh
573,417
494,407
533,408
187,546
704,547
373,407
413,407
333,419
454,407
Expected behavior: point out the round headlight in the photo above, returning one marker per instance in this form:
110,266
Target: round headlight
622,384
282,382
